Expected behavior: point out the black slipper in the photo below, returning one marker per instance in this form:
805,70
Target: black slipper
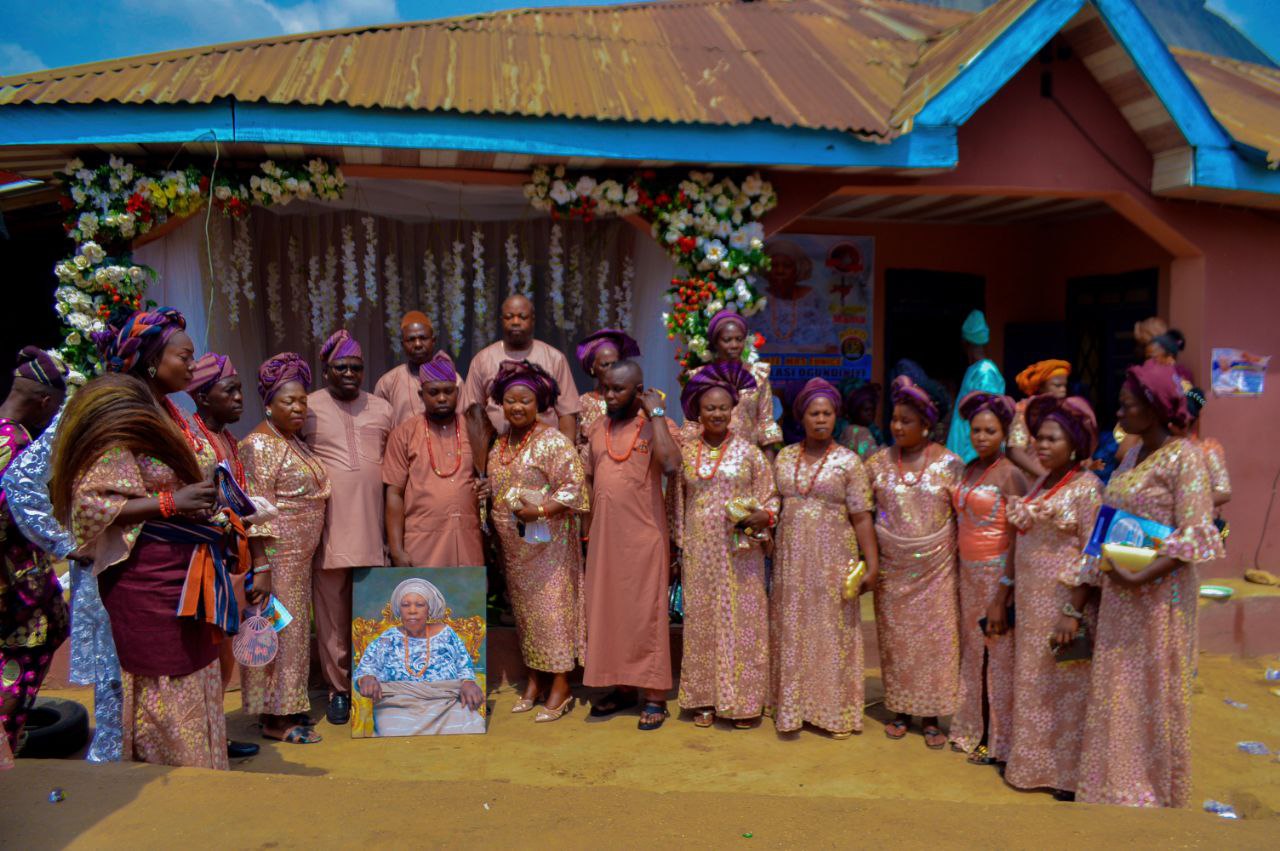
653,708
613,703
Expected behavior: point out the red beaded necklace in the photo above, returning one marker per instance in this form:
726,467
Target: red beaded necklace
966,488
912,478
506,445
232,454
1059,486
181,422
608,440
805,491
457,451
717,454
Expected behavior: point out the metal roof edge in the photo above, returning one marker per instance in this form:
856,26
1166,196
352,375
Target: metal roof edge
759,144
988,71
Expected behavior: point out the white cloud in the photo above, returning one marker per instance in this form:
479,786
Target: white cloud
230,20
16,59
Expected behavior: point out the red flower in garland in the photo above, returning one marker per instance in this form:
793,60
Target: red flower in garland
686,243
759,341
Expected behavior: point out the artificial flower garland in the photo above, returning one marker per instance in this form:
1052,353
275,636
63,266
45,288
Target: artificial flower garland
113,203
710,228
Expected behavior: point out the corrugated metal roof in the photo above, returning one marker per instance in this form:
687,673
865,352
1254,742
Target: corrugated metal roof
1245,98
826,64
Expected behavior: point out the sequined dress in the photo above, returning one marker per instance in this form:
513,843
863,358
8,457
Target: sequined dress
1137,738
593,408
726,610
543,580
982,536
33,615
1050,697
286,474
167,719
917,609
752,416
816,635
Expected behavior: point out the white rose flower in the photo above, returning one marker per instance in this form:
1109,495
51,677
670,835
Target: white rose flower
77,195
222,193
74,166
73,339
80,261
560,193
584,186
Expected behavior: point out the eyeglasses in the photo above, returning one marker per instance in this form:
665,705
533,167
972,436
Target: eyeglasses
346,367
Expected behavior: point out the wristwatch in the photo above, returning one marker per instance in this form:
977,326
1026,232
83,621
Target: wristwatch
658,412
1072,612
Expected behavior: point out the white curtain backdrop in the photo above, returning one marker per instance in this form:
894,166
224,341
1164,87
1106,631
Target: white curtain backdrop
409,219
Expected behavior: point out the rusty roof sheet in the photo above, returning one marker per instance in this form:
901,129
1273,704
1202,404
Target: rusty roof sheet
1244,97
828,64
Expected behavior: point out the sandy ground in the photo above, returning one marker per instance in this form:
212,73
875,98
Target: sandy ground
582,781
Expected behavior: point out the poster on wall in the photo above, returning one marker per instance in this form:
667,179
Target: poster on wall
819,317
1239,373
418,650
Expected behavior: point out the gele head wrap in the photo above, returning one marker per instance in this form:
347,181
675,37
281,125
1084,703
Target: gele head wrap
592,343
730,376
1073,413
510,373
1032,379
904,391
140,339
279,370
815,388
1000,406
1161,386
425,590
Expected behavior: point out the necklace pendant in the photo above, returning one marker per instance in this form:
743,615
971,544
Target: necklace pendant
909,478
714,452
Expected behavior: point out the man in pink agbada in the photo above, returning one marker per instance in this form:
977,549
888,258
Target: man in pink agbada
400,385
517,344
347,429
630,449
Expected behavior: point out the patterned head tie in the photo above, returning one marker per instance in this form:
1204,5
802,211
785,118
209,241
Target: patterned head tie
1001,407
425,590
439,368
1073,413
279,370
1161,386
340,345
722,320
904,391
593,343
208,370
512,373
140,339
731,376
35,364
1033,379
815,388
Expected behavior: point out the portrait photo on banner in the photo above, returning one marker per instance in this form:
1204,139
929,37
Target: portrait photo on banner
418,651
819,317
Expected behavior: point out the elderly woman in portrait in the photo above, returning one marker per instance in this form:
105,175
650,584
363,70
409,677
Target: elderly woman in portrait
419,674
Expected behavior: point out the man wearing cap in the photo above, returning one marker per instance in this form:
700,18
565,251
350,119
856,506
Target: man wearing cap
400,385
433,513
33,616
982,374
347,429
517,344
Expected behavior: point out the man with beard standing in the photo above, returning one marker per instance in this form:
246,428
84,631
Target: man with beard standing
433,513
628,554
517,344
400,385
347,429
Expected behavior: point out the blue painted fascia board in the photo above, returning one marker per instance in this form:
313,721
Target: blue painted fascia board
1163,74
107,123
758,144
1224,168
988,71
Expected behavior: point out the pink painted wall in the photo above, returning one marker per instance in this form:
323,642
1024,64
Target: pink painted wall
1218,264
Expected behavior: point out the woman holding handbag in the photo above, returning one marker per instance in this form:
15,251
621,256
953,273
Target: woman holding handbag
1053,578
825,531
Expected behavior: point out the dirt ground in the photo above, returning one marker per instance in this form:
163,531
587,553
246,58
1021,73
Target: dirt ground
581,781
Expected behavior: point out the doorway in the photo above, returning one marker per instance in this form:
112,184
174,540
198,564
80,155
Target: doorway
924,310
1101,313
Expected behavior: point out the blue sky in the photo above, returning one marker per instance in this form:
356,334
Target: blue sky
41,34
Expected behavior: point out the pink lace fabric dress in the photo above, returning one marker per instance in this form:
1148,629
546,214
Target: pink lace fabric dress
817,666
170,677
917,601
1137,739
592,411
543,579
726,610
983,534
1050,697
288,475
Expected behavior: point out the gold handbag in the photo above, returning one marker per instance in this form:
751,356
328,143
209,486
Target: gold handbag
849,590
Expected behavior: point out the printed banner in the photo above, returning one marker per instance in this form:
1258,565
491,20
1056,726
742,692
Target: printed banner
1238,373
819,316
